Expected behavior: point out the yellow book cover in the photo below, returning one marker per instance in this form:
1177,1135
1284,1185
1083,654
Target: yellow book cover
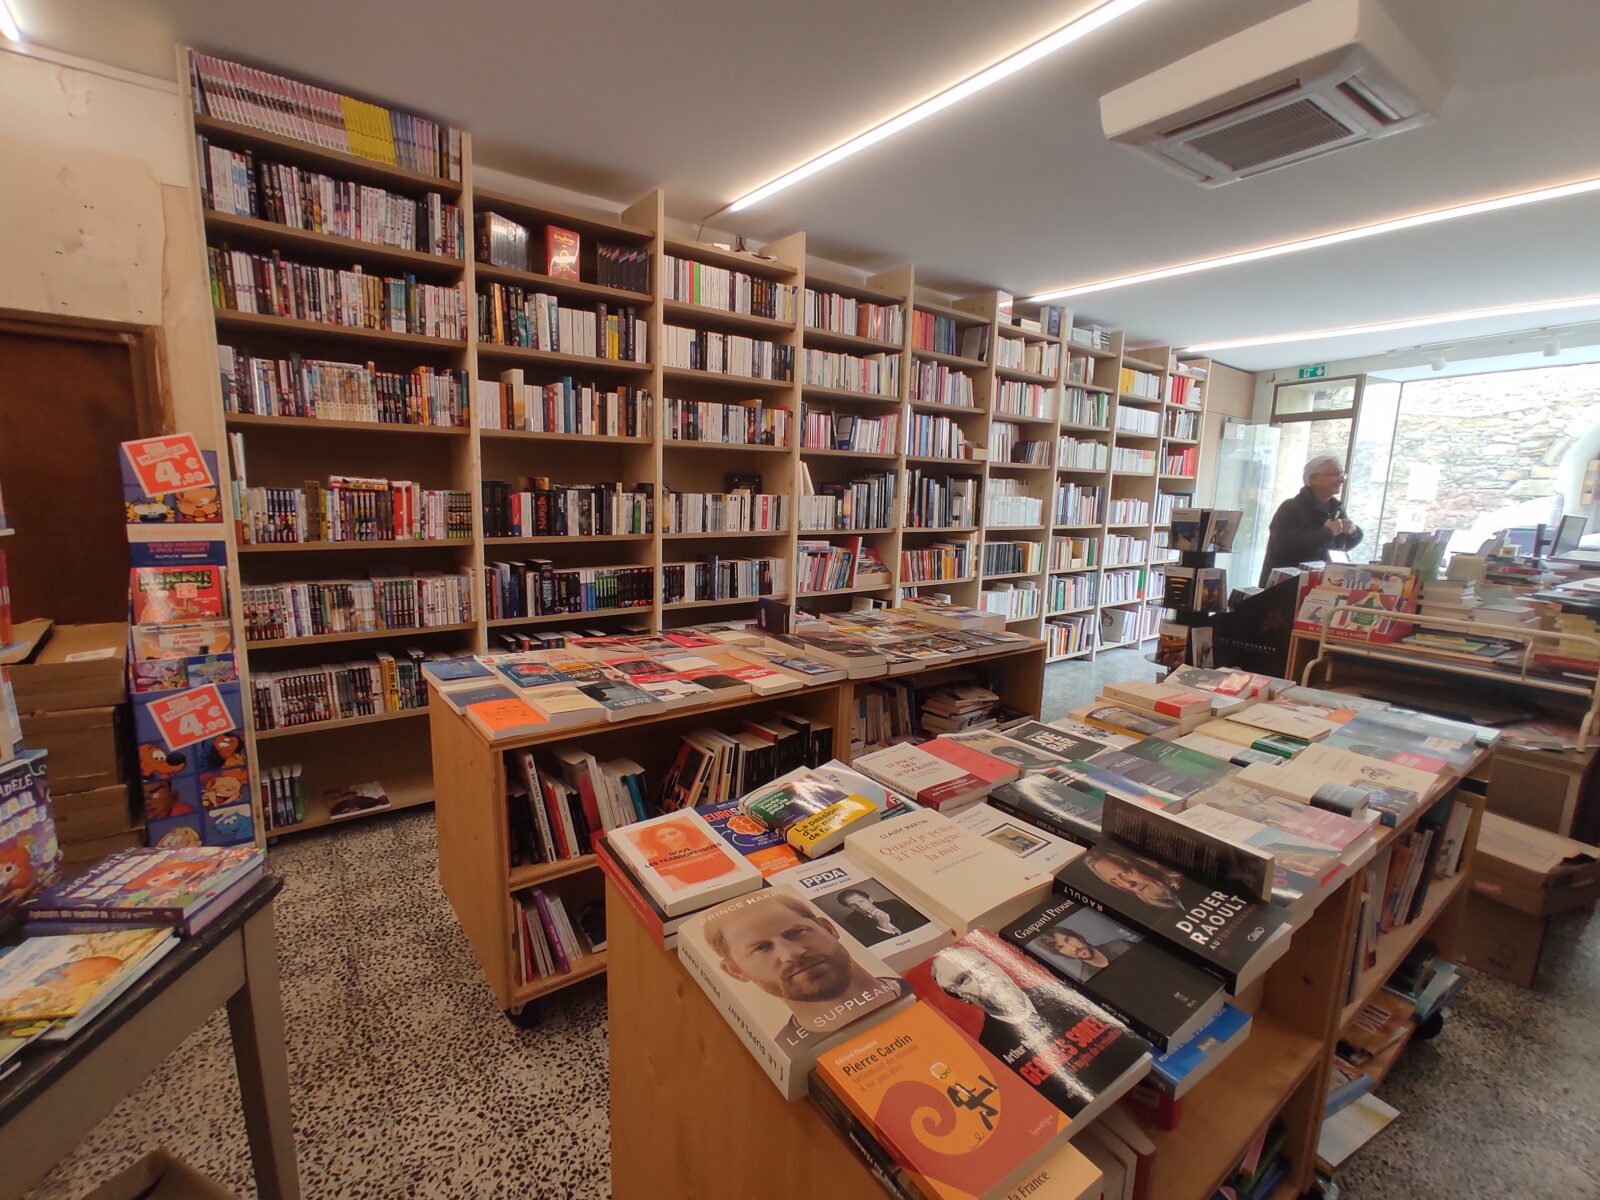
830,825
55,978
354,131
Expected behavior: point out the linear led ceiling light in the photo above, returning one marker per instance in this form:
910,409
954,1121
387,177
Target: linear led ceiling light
1466,314
1415,220
954,94
8,23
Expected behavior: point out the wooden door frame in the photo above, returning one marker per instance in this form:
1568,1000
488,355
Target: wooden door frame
146,351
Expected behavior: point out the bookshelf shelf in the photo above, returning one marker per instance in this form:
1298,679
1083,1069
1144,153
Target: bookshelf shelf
1018,375
732,260
682,311
256,232
399,800
957,361
607,228
939,582
865,455
554,358
1177,441
1021,418
722,447
1085,653
347,547
266,323
994,578
723,379
532,875
535,435
856,590
1070,612
336,162
1016,466
959,315
812,533
324,639
722,534
1069,427
833,393
850,342
1399,942
587,967
576,618
1012,528
679,605
952,410
1130,398
566,539
343,723
938,460
940,529
324,425
535,281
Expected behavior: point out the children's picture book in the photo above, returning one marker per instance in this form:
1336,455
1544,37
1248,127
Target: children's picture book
30,856
68,978
148,886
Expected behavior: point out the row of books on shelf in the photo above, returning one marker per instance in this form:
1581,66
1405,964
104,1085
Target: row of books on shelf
1143,384
731,291
821,429
742,423
1013,398
940,501
931,436
1082,455
540,588
871,375
1183,461
564,406
1122,510
514,316
1074,552
725,354
235,183
1124,549
1070,635
866,502
930,331
1183,425
1089,409
717,578
550,940
537,507
1131,461
341,391
350,509
388,683
1009,443
1036,358
318,116
1186,390
318,608
937,383
822,566
845,314
1006,502
1138,420
1015,601
1068,592
1167,504
1007,558
937,562
1122,586
283,802
270,285
1078,504
504,242
743,508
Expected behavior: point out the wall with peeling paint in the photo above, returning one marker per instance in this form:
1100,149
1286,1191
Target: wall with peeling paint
101,220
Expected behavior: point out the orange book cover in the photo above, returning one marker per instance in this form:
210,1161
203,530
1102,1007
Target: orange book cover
501,717
560,253
956,1123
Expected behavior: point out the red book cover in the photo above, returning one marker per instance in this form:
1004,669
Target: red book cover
1177,706
176,594
991,771
560,253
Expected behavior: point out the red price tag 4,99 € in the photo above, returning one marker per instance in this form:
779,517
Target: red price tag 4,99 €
168,464
191,716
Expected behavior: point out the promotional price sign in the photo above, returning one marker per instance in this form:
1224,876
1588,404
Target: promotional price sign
168,464
190,717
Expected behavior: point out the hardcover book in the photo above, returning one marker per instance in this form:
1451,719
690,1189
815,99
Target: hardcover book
1193,849
947,871
681,863
1154,992
1056,1039
868,909
1233,937
932,1112
788,980
186,887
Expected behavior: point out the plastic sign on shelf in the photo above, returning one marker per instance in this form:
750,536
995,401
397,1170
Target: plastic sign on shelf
190,717
168,464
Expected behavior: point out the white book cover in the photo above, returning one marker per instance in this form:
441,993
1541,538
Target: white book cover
682,863
1289,722
1111,741
947,870
788,980
563,704
1037,850
926,778
868,909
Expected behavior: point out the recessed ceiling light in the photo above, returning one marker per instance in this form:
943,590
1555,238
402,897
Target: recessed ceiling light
954,94
1466,314
1415,220
8,23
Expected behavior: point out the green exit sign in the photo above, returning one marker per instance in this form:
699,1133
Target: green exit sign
1316,372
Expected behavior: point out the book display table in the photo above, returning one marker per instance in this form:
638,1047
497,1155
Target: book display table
692,1112
58,1094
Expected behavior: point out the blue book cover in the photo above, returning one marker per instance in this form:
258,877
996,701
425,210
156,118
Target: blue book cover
1211,1044
449,670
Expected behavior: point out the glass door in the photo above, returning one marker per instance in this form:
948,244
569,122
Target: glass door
1247,461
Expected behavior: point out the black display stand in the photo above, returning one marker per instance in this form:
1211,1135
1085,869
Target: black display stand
1190,617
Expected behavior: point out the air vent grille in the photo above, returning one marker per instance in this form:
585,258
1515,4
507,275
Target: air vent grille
1288,132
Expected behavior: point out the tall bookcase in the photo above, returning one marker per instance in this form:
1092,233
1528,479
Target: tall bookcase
960,363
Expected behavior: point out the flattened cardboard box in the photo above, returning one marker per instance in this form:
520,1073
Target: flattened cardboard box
81,741
81,666
1532,870
160,1175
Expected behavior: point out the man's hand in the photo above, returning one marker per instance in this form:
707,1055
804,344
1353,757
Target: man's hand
1335,526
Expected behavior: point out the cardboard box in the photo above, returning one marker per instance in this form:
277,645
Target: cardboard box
81,666
160,1175
1501,942
1536,787
1532,870
75,856
84,816
84,744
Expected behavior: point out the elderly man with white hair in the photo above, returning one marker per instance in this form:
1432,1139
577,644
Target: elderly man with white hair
1311,522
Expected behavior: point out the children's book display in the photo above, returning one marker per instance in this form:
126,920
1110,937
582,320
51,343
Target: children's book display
188,715
1195,589
1069,940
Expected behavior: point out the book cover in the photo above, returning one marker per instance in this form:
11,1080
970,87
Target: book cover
561,253
1302,870
525,674
1233,937
1177,1071
1164,768
1025,756
681,863
58,978
986,768
1072,1052
1102,781
1118,718
926,778
30,854
177,593
952,1123
506,717
764,849
1055,802
563,704
949,872
788,980
1153,991
1039,850
1349,837
619,700
456,670
1287,721
1060,743
1192,849
868,909
148,884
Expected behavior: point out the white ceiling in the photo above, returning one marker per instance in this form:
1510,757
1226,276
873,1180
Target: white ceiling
1015,188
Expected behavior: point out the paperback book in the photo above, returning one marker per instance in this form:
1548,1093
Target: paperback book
1193,849
870,911
1056,802
811,814
681,863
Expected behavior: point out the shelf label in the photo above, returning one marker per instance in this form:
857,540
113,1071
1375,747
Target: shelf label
1315,371
168,464
191,716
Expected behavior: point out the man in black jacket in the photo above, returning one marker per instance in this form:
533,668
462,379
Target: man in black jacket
1311,522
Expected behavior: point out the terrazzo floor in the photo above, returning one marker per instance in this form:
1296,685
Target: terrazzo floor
408,1083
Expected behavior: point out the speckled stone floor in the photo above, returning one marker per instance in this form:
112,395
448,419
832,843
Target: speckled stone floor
408,1083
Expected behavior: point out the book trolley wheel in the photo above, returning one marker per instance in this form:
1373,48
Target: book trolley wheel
1431,1028
525,1016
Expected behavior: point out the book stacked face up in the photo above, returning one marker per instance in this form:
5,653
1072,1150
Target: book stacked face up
1041,928
89,938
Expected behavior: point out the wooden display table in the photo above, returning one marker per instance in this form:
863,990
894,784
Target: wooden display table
692,1113
469,782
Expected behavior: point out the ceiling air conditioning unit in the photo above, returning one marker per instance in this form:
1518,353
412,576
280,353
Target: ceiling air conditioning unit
1325,75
